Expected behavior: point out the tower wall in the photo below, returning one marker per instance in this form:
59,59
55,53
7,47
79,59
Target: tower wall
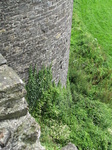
36,32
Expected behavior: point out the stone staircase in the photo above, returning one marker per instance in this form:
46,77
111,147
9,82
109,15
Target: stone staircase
18,130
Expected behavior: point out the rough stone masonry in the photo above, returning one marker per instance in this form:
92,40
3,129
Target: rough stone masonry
36,32
18,130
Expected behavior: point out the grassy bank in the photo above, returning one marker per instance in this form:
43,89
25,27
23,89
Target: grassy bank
90,66
96,16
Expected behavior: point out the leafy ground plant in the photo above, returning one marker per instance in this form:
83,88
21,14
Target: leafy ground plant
84,122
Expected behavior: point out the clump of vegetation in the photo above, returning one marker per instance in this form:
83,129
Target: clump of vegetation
89,126
48,104
81,121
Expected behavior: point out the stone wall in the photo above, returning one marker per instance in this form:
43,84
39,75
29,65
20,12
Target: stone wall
36,32
18,130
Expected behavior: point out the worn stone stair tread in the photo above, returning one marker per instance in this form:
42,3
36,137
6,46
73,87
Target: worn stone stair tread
14,95
9,79
13,109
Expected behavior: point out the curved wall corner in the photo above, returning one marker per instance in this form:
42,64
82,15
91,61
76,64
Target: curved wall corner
36,32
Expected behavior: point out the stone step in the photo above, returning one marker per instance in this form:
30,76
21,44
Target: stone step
15,95
11,85
9,80
13,109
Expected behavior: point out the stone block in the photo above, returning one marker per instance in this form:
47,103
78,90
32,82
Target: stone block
11,86
70,146
25,133
9,79
8,96
13,109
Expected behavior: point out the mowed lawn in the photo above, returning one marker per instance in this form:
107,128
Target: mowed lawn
97,18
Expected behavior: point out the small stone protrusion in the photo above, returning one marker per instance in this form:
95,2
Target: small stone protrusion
2,60
70,146
5,135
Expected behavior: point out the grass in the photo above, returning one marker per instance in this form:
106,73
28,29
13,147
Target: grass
96,16
90,67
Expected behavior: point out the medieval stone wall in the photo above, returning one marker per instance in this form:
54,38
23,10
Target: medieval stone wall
18,130
36,32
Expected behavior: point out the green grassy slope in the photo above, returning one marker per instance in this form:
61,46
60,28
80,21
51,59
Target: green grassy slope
97,18
90,66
